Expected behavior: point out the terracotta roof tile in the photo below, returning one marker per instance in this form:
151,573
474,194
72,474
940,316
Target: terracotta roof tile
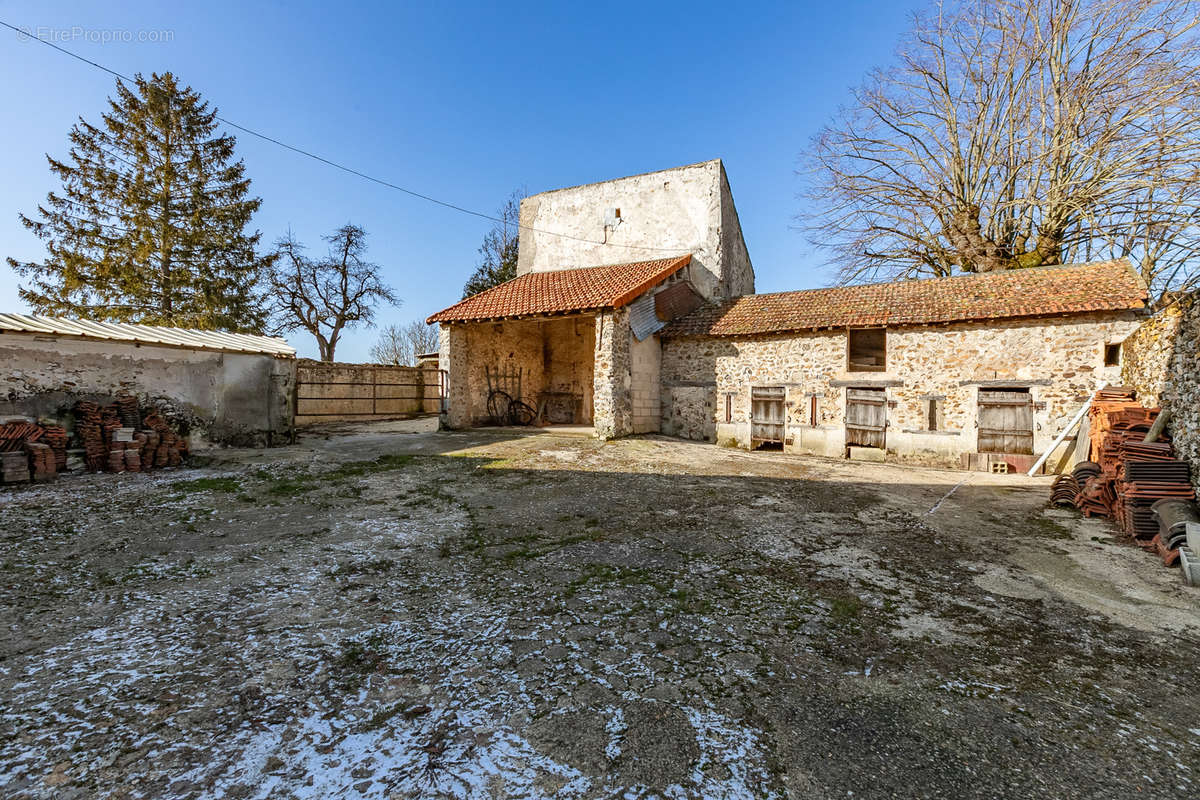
1037,292
564,290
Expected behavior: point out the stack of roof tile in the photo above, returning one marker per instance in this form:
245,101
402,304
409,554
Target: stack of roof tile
91,436
56,437
109,437
1131,478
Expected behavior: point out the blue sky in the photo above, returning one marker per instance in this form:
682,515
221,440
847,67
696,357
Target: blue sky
465,102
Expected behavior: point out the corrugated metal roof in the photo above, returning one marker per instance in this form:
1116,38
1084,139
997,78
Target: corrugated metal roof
642,318
145,334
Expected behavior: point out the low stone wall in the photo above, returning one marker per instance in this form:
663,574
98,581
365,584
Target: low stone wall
242,399
1161,360
338,392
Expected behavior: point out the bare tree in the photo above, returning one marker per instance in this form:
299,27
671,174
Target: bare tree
401,344
1018,133
498,262
327,296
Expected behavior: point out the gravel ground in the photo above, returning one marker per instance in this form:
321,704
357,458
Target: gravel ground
386,611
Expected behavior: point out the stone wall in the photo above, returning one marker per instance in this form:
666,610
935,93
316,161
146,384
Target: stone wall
614,375
1161,361
676,211
222,398
1061,361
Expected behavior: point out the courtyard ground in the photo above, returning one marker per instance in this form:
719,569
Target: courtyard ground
387,611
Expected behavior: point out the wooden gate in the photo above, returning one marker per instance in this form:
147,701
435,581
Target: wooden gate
1005,421
866,417
766,415
332,392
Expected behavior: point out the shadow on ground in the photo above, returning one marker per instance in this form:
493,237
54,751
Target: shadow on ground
488,615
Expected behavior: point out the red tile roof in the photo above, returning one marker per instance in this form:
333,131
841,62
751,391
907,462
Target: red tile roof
563,291
1036,292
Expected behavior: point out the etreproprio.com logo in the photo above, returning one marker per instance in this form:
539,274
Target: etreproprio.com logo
79,33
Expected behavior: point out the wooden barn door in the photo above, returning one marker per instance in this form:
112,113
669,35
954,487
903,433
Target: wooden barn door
866,417
766,414
1005,421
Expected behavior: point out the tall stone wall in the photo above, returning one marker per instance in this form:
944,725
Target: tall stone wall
243,399
672,212
1061,361
1162,363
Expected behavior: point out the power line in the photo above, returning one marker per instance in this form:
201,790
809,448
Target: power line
336,165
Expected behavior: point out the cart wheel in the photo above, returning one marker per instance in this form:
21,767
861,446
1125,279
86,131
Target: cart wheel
521,413
498,405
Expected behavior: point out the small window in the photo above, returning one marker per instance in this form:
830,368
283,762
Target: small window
813,419
866,350
932,411
1112,355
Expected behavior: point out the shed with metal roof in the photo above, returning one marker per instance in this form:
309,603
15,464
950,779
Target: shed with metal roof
224,388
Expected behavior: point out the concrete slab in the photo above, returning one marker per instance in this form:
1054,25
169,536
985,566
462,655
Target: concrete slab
867,454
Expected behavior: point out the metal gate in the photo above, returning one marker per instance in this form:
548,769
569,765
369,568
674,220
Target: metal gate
766,415
866,417
1005,421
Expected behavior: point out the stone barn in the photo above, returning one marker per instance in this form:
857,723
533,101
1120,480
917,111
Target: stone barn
573,337
927,369
677,342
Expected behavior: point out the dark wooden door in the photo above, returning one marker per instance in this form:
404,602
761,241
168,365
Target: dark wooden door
766,414
1005,421
866,417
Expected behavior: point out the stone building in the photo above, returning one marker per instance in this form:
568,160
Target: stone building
680,344
573,336
930,369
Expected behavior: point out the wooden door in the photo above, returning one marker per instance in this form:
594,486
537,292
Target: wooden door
766,414
866,417
1005,421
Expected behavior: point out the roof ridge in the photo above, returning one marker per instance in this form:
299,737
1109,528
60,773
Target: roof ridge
959,276
1109,285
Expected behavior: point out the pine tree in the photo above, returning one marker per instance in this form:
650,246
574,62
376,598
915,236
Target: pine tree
499,249
151,223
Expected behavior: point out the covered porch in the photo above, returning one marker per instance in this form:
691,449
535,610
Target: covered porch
545,364
557,348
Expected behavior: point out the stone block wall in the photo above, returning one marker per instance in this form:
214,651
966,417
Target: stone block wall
645,389
242,399
1161,361
1060,360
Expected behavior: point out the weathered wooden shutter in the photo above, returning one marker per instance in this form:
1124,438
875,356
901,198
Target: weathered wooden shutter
1005,421
766,414
866,417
